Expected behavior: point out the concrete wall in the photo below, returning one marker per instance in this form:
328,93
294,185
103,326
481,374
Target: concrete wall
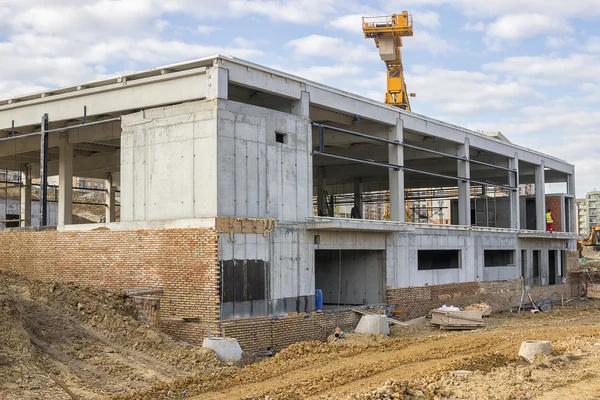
259,177
288,253
169,163
362,279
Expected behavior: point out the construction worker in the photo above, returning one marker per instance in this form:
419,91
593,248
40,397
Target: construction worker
549,221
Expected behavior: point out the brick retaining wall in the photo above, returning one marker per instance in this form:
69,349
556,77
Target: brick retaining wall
183,262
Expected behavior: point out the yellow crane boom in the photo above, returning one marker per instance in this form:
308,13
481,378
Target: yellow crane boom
387,32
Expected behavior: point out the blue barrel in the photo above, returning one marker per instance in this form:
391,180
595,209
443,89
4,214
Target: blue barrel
319,299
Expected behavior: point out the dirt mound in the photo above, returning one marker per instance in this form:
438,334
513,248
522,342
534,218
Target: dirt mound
87,337
401,390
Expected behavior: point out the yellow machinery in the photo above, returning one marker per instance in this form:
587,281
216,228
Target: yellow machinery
592,241
388,32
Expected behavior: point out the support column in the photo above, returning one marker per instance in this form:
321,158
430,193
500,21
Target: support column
572,203
464,186
513,181
396,176
358,203
65,181
217,81
25,195
321,201
301,107
110,199
540,197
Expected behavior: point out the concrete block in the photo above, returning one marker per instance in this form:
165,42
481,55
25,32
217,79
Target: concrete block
531,348
373,324
3,359
227,349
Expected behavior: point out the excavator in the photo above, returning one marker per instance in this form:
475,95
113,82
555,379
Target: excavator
387,32
592,241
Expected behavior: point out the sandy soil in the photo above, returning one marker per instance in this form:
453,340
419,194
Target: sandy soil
87,338
90,340
417,363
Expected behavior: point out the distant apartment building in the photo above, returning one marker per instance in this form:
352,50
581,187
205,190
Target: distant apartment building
593,206
582,222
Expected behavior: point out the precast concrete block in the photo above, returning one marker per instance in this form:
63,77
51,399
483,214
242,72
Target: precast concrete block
373,324
227,349
531,348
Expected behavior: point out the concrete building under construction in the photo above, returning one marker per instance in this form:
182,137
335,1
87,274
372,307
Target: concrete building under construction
229,174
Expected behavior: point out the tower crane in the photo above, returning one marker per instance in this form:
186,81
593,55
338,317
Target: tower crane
387,32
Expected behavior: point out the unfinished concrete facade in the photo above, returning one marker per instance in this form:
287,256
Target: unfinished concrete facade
258,158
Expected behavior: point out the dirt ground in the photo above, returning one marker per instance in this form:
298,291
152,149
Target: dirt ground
417,363
90,340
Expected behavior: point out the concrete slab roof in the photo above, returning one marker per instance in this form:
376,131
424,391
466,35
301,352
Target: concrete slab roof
27,109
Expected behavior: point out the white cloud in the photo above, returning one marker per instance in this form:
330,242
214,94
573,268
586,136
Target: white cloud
428,42
478,26
557,42
332,47
204,29
428,19
466,92
519,26
559,70
351,23
296,11
593,45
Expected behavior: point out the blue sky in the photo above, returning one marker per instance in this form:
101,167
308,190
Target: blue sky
528,69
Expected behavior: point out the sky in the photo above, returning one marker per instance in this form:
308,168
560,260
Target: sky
530,69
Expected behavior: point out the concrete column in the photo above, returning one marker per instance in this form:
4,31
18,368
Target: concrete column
396,176
358,196
65,181
572,203
513,180
321,201
301,107
540,197
217,80
110,199
464,186
25,195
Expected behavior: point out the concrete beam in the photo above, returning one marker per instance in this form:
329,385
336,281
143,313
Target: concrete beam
427,126
94,133
217,82
116,98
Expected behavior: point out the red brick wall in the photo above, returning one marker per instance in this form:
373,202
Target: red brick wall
256,334
183,262
554,203
419,300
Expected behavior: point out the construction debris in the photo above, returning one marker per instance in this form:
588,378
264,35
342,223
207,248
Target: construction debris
484,308
451,320
530,349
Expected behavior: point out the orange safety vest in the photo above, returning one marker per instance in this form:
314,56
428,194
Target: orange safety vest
549,219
